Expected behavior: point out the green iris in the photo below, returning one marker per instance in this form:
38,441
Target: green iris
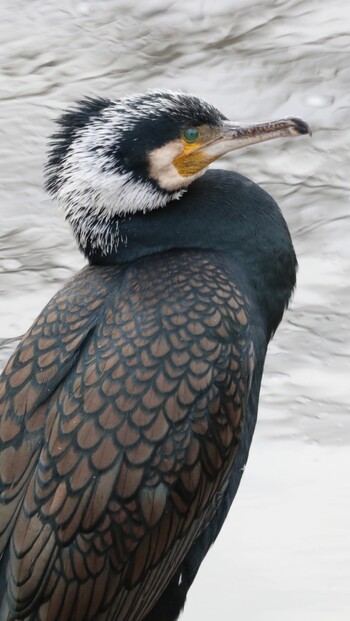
191,134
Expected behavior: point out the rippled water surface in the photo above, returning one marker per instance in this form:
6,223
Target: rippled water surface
284,551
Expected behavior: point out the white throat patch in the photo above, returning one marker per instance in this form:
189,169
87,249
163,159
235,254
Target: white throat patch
163,171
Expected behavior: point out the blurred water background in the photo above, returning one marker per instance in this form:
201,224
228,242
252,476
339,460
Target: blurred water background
284,552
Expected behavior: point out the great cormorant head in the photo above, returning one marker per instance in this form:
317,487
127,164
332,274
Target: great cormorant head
112,158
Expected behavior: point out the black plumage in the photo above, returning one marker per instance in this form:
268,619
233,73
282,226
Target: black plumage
128,409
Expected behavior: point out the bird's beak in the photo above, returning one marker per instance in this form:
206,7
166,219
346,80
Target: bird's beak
235,136
195,157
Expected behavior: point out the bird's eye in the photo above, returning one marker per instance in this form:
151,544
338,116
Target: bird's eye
191,134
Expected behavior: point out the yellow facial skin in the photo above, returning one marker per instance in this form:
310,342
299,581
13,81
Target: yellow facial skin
193,157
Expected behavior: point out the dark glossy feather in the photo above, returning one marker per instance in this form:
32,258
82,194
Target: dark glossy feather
126,417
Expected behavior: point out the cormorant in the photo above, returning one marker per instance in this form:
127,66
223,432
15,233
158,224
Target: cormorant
128,408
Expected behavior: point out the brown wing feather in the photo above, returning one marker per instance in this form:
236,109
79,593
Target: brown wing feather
40,362
127,452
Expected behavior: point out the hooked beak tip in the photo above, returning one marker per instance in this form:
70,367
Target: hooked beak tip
301,126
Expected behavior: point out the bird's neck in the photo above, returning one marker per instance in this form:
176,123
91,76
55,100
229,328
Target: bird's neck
92,209
224,213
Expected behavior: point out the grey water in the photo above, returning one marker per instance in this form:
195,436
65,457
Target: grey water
284,552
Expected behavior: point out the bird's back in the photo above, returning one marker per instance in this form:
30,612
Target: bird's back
123,411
